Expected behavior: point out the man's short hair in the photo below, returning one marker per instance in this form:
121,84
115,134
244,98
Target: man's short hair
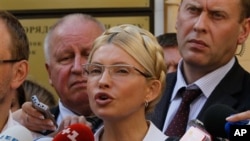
167,40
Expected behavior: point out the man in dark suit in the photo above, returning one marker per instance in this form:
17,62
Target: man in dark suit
208,34
232,93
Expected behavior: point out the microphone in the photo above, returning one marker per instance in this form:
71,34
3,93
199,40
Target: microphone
75,132
196,132
215,123
16,133
215,127
215,119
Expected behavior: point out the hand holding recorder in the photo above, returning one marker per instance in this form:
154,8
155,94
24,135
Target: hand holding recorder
43,108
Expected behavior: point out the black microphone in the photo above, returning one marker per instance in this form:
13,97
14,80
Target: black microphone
215,119
215,123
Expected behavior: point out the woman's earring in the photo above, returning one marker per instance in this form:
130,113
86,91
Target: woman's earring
146,103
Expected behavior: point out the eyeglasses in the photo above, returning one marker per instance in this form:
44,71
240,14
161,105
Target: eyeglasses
115,71
9,61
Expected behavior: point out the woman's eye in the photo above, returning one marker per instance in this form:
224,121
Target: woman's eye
95,71
122,70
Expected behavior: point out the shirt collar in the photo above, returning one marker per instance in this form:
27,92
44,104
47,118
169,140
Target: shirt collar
204,83
153,133
65,111
11,122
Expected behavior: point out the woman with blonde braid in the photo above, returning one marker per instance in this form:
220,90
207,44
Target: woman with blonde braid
126,75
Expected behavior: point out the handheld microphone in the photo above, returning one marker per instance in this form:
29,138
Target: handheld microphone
75,132
196,132
215,123
16,133
215,126
215,119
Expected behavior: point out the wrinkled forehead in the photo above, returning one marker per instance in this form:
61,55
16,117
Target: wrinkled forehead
76,27
232,8
80,34
207,4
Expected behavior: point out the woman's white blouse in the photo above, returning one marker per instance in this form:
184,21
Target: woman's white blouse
153,134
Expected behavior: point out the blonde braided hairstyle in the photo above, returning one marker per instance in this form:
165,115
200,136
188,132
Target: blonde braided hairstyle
142,46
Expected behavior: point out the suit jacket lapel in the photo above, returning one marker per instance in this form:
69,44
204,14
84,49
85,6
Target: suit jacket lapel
227,91
55,111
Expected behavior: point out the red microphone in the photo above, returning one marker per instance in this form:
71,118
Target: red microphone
75,132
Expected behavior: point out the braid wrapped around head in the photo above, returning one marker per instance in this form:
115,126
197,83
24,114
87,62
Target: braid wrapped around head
142,46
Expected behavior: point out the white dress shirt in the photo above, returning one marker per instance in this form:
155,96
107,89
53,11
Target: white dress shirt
203,83
11,122
64,112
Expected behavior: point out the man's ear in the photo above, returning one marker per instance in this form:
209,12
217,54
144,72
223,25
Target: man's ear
153,90
244,32
20,73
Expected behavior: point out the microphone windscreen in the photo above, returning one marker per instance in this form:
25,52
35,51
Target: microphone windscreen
16,133
75,132
215,119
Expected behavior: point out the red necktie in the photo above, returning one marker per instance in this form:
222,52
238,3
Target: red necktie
178,125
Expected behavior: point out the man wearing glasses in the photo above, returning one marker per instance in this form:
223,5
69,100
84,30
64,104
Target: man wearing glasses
14,54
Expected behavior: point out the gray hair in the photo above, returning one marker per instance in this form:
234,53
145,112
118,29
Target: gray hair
79,17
